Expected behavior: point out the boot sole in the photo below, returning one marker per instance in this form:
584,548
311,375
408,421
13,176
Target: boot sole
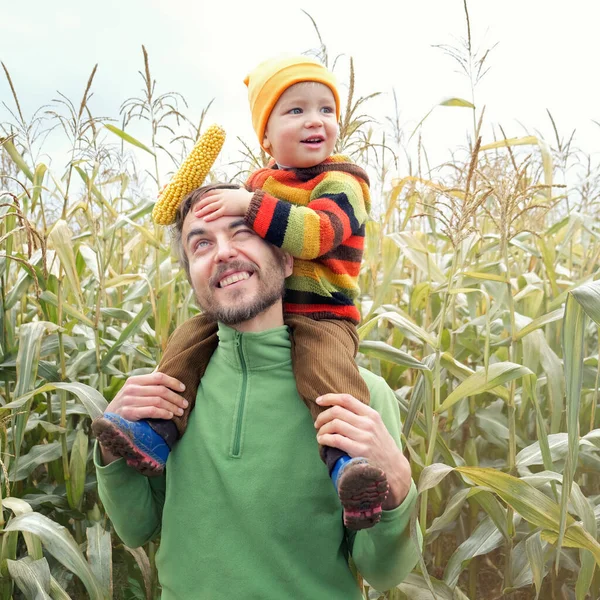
362,489
117,443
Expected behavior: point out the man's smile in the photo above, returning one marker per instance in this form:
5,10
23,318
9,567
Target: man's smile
231,278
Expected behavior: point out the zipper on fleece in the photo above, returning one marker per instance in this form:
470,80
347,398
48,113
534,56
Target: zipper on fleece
236,448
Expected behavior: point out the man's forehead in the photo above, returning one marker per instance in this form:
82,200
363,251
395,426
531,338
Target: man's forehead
197,225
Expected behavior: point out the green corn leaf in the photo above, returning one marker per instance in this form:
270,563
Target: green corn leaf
551,317
484,539
71,311
432,475
77,468
128,138
92,399
30,341
588,297
498,374
39,455
384,351
60,238
409,327
128,332
572,342
494,509
57,592
534,506
38,181
415,587
141,558
96,192
59,542
535,554
419,255
453,508
32,577
457,102
20,507
12,151
99,555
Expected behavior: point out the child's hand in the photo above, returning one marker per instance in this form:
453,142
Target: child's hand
223,203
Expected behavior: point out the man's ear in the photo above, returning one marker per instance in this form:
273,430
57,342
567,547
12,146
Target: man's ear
288,263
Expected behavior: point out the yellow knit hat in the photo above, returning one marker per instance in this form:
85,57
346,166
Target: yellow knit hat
271,78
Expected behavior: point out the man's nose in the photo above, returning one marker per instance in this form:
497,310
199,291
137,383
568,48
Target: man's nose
226,250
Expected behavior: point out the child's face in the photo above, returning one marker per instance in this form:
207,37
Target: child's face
302,129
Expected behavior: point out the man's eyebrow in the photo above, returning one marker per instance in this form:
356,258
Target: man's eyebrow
238,223
195,232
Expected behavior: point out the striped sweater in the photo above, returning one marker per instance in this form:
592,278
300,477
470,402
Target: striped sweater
318,215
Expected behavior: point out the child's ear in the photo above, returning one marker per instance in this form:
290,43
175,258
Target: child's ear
266,143
288,264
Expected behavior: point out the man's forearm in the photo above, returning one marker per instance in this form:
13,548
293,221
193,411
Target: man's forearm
385,554
133,501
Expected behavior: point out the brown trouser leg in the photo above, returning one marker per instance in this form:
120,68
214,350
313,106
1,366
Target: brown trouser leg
323,359
186,357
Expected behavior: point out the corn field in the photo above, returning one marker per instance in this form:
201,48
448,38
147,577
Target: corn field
480,310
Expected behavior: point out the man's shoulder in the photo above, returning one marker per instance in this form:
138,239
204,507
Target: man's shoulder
376,384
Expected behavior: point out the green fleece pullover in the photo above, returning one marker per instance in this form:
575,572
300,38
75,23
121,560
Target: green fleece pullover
246,508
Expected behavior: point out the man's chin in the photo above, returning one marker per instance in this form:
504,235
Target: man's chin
235,313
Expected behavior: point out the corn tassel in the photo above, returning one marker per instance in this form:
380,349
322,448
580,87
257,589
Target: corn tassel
191,175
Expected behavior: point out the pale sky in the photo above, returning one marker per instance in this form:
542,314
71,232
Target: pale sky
547,57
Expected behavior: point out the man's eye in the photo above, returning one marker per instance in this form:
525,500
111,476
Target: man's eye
200,245
244,232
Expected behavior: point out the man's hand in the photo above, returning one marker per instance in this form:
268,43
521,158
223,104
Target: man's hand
150,396
358,430
223,203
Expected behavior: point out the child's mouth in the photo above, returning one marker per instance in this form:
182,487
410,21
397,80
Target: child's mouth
313,140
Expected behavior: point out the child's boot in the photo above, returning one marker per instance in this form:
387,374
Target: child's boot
145,445
362,488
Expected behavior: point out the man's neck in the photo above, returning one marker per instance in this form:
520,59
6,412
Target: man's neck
268,319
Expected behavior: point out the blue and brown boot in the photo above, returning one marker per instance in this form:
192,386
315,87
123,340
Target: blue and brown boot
362,488
136,441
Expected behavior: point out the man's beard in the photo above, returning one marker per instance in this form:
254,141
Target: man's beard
268,293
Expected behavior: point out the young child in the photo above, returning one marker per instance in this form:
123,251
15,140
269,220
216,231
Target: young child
314,205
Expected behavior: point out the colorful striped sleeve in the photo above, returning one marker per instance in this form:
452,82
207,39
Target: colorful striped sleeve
336,210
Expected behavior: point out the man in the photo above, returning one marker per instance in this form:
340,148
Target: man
240,510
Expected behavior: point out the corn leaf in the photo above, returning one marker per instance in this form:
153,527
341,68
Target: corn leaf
99,555
432,475
535,554
92,399
384,351
534,506
128,138
60,238
20,507
127,332
11,150
484,539
478,383
59,542
572,342
32,577
77,468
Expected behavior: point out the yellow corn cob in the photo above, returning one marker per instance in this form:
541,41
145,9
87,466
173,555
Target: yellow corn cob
191,175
